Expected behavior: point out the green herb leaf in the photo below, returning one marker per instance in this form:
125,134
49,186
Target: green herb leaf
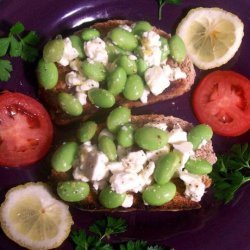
108,226
4,45
15,47
31,38
5,69
29,53
231,171
161,3
134,245
17,28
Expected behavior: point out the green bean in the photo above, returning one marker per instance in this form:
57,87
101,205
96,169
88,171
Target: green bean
141,26
94,70
142,66
47,74
77,43
53,50
125,135
107,146
199,133
118,117
86,131
116,81
127,64
134,88
177,48
110,199
198,167
151,138
166,167
69,104
123,39
64,156
73,191
158,195
89,34
101,98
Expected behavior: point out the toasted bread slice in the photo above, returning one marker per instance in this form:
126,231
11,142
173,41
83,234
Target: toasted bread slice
180,202
175,89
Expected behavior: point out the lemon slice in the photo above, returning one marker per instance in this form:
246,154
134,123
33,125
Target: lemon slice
33,218
211,35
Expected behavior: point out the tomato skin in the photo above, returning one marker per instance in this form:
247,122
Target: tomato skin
222,100
26,131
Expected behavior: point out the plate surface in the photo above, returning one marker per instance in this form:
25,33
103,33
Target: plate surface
213,226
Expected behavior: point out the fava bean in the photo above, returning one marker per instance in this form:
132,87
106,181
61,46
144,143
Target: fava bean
94,70
142,66
158,195
123,39
199,133
89,34
134,88
177,48
198,167
101,98
86,131
166,167
107,146
118,117
164,48
141,26
73,191
116,81
77,43
69,104
47,74
150,138
127,64
64,156
110,199
125,135
53,50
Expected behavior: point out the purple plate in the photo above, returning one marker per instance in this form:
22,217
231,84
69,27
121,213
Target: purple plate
212,227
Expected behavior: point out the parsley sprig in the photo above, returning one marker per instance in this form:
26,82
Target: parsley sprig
161,4
18,43
102,230
231,171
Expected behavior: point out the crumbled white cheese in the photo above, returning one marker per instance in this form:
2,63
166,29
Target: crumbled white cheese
195,188
86,85
123,182
95,50
106,132
177,135
132,57
156,80
186,150
203,143
151,48
160,125
134,161
126,27
129,200
91,164
173,74
145,94
73,79
115,166
82,97
69,53
156,154
147,174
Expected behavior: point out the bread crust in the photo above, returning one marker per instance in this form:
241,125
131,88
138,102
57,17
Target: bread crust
179,202
176,88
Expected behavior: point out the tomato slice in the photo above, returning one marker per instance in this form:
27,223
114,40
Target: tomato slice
222,100
26,130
